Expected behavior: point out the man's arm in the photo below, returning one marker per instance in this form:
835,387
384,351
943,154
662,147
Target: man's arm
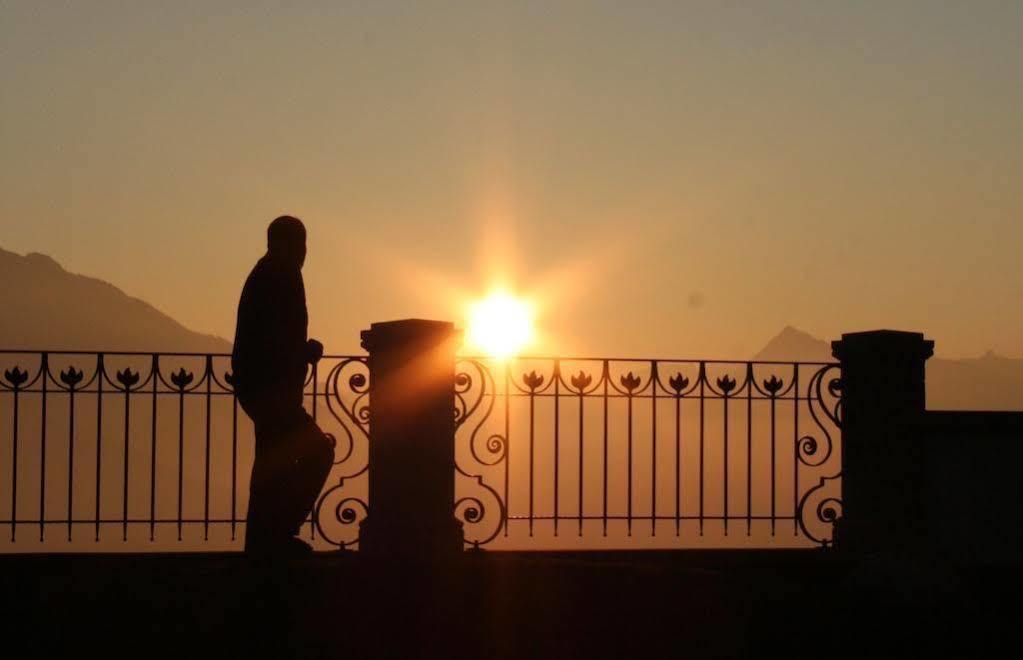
293,323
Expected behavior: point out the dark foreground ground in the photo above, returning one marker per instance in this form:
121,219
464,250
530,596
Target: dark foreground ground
490,605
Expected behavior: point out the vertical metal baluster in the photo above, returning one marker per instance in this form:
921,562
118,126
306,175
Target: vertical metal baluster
795,452
724,467
581,426
124,477
152,454
606,377
312,523
653,448
14,464
99,435
70,459
749,448
507,446
181,454
774,460
703,380
557,440
678,464
532,401
234,465
42,451
628,463
206,483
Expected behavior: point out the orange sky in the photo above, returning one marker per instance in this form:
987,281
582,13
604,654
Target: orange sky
666,178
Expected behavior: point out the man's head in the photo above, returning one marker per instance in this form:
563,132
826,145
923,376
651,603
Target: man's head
285,240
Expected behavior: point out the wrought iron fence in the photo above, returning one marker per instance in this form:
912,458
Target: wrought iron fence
144,451
584,453
141,451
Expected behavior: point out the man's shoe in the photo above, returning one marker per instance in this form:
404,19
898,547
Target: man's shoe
296,547
289,547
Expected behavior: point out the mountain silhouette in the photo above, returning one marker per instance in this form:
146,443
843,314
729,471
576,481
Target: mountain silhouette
794,344
990,382
47,308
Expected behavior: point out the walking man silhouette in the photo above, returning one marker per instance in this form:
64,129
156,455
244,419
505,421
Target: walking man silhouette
271,353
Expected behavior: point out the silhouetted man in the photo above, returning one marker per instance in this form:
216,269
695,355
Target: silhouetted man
271,352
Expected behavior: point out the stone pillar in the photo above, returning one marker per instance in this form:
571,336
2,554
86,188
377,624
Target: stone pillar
411,439
883,394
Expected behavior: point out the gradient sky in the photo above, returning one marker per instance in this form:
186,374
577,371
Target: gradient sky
667,179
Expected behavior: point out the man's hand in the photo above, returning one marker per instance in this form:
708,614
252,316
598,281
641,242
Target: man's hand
313,351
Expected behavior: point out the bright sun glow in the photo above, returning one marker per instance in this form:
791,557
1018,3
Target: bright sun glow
500,325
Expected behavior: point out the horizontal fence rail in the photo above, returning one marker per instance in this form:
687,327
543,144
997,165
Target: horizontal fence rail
150,452
611,453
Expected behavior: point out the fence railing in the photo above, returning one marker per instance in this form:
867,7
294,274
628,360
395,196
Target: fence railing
584,453
143,451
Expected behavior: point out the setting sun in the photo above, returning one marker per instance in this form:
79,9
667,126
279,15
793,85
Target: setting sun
500,325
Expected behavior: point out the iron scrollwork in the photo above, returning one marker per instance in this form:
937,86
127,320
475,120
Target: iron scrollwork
337,514
475,391
819,507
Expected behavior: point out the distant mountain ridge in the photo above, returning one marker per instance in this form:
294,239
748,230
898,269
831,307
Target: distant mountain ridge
794,344
989,382
45,307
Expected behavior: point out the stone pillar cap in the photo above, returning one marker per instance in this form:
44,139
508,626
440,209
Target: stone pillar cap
403,330
882,342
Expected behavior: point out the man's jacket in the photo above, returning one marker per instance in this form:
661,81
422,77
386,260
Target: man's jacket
270,337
